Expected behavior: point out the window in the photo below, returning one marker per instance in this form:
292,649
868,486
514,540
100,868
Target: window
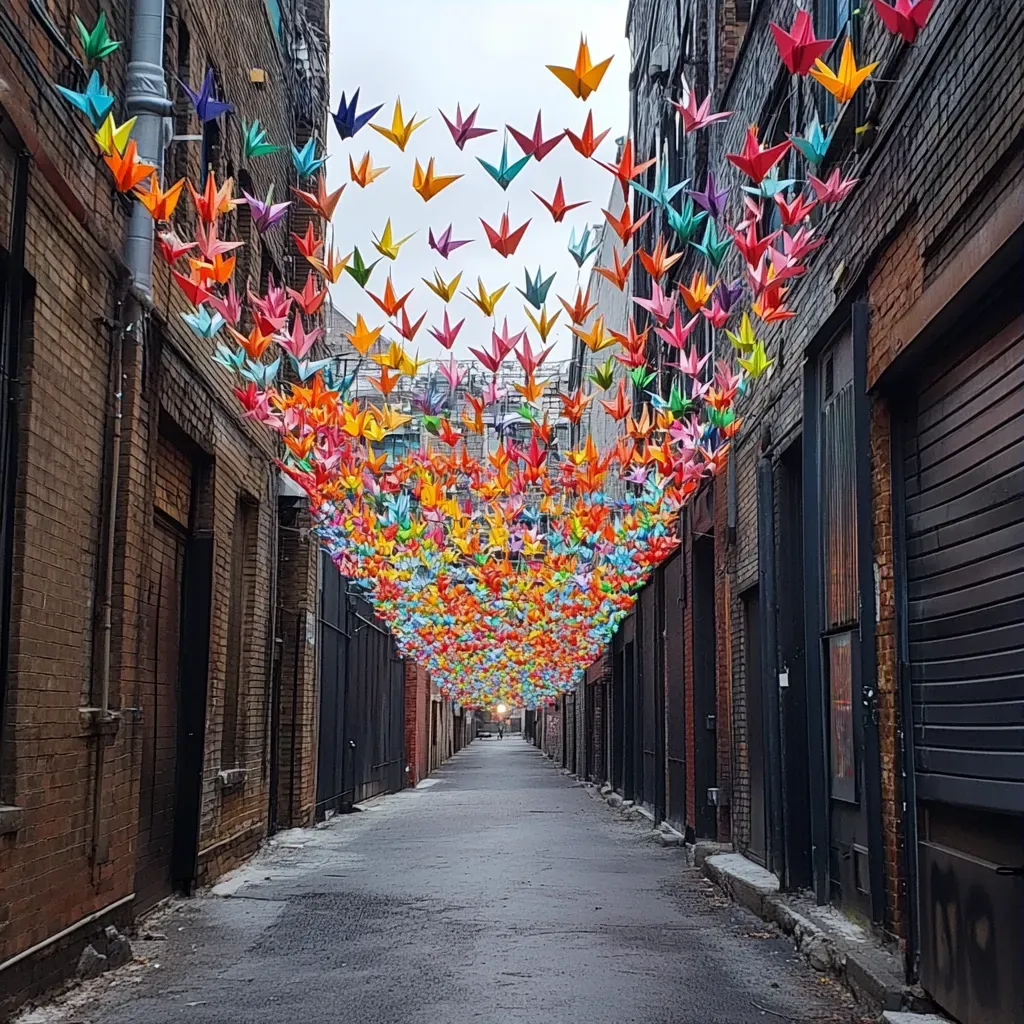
241,608
843,748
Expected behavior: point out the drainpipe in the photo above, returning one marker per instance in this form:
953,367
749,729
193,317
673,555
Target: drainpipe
146,99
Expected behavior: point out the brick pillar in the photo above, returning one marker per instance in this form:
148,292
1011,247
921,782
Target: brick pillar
417,723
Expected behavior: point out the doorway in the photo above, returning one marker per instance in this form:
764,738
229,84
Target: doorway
704,694
755,683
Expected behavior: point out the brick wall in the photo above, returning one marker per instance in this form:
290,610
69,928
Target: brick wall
75,851
417,723
598,683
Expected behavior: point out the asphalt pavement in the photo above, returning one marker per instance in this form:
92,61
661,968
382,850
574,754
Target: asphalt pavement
498,891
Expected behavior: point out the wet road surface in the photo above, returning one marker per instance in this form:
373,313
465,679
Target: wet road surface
500,891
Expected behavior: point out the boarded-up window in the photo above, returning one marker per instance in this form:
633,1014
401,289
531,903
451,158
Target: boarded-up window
843,752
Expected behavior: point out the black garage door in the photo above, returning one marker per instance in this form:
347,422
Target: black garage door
963,480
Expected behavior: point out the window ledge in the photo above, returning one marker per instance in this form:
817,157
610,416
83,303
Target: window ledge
230,779
11,819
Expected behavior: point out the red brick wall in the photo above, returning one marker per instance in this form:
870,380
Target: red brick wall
417,723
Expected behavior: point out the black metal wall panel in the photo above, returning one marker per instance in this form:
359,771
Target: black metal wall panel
675,691
963,458
650,678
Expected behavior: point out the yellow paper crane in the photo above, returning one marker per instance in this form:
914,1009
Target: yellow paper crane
401,130
483,301
112,136
386,244
848,80
442,289
584,78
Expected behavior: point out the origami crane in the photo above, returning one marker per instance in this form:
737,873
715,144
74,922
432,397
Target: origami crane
582,250
358,270
444,290
544,323
401,130
321,202
446,334
537,289
386,244
113,137
618,274
504,240
485,301
501,345
427,183
96,42
347,121
128,170
712,199
659,262
834,189
905,17
205,323
696,116
265,212
505,173
306,161
208,107
660,305
361,337
584,77
663,193
597,338
580,308
95,102
464,130
535,145
799,48
627,168
586,143
444,244
624,225
364,173
160,203
849,78
813,145
558,207
711,247
390,302
756,161
255,142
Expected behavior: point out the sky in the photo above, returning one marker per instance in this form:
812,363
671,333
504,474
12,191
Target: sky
493,54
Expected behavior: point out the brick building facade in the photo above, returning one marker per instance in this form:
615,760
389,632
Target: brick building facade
125,774
843,644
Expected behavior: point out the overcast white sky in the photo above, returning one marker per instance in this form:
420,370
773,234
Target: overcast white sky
434,54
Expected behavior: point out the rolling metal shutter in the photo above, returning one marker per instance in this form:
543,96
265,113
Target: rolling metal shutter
963,457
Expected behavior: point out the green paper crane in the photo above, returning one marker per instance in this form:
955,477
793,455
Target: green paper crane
641,376
686,221
711,247
677,401
582,250
359,270
255,142
505,173
770,187
604,374
96,43
536,292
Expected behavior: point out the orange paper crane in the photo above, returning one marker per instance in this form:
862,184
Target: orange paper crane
620,406
580,308
389,302
361,337
627,168
574,405
657,263
427,183
334,266
308,245
158,202
584,77
364,173
625,227
322,202
619,273
213,201
128,170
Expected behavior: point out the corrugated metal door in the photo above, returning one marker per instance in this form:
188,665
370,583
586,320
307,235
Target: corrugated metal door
963,490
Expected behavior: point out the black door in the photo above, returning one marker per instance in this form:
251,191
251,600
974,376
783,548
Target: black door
650,679
962,450
616,719
704,702
332,786
793,680
755,723
675,693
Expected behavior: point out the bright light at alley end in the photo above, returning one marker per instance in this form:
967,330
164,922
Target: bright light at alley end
501,709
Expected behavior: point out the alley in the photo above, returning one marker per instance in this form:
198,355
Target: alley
500,891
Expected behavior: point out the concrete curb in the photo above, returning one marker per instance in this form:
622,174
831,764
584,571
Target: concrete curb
868,971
